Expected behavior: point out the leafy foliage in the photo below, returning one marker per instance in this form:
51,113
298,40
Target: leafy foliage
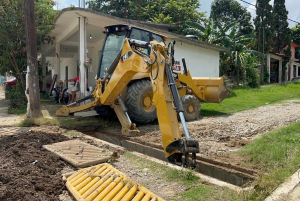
282,32
17,97
223,11
174,12
12,33
264,26
295,35
252,73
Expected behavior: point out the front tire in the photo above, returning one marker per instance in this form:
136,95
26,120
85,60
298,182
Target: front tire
139,102
191,107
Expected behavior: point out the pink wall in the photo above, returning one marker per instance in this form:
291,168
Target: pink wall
293,46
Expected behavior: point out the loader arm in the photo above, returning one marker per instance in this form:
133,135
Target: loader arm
210,90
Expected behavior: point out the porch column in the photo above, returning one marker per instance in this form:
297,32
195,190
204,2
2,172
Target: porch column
286,72
291,71
56,69
297,71
82,55
44,72
268,66
280,72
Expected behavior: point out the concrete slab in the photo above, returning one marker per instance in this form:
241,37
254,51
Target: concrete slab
80,154
7,119
287,190
89,113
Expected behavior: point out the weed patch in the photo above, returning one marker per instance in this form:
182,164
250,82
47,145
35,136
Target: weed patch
277,155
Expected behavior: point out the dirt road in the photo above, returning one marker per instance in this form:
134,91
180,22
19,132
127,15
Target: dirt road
7,119
228,133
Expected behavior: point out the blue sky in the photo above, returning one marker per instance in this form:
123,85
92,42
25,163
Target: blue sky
292,6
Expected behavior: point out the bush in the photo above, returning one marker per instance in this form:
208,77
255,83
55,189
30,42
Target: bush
17,97
252,77
252,73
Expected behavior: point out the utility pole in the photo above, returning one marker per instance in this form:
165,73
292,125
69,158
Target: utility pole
32,83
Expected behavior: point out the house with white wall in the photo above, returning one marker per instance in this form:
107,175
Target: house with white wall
79,35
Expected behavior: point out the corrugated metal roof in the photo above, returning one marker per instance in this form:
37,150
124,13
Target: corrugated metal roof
161,28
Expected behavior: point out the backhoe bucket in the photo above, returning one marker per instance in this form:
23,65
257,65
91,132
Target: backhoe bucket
213,90
104,182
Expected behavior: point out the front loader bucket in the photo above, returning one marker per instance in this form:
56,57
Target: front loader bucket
213,90
104,182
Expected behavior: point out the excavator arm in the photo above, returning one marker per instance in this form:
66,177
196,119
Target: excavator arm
130,61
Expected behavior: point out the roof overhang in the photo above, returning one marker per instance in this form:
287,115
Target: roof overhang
279,55
294,44
68,20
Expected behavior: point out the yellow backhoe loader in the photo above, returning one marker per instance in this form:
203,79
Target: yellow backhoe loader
136,65
137,95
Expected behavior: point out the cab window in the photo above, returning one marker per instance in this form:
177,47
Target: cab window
140,35
157,38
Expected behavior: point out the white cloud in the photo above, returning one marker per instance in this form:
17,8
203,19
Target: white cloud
61,4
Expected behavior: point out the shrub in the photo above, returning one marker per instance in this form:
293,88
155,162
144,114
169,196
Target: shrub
252,73
17,97
252,77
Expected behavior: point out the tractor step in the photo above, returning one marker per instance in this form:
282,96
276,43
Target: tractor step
104,182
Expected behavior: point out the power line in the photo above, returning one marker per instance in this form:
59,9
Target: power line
265,9
296,14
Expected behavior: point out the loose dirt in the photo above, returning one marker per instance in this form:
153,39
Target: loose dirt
28,171
228,133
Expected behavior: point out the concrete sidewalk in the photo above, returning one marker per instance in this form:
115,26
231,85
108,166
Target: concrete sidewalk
7,119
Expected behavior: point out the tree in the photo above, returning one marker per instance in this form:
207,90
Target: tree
13,37
295,36
282,32
32,83
223,11
264,30
228,36
209,32
174,12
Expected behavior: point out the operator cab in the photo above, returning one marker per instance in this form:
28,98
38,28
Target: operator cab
114,40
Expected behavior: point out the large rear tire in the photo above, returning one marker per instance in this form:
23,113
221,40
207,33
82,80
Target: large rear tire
139,102
191,107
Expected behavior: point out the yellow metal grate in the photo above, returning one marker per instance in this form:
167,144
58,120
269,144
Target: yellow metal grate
12,130
104,182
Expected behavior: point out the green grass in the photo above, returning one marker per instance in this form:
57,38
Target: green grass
246,98
20,110
277,155
38,122
206,192
198,190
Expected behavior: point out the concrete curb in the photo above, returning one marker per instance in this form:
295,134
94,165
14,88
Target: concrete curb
205,178
285,188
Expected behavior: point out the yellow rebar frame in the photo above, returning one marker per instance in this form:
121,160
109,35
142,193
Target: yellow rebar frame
104,182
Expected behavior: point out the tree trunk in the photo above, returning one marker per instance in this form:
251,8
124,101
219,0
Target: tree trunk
32,83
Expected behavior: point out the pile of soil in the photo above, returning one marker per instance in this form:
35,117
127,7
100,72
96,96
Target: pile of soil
27,170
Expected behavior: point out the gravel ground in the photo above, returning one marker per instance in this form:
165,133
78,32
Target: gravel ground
227,133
